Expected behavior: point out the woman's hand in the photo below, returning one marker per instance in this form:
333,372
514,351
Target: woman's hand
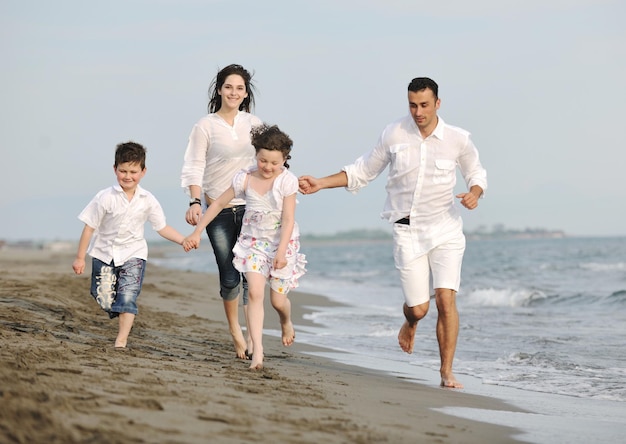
193,214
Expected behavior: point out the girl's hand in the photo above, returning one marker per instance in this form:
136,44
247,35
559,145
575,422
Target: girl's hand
279,262
191,242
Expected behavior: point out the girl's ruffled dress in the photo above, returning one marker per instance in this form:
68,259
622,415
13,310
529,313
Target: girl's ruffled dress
260,233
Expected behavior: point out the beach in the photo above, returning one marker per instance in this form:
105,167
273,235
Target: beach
179,381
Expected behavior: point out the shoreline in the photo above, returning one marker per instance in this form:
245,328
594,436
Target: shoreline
180,381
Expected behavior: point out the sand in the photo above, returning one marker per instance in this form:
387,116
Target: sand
179,381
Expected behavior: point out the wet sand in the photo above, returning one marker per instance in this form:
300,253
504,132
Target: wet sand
62,381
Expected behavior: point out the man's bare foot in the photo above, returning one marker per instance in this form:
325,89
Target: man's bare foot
406,337
257,361
289,334
450,381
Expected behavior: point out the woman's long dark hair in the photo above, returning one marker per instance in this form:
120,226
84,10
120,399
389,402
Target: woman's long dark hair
215,101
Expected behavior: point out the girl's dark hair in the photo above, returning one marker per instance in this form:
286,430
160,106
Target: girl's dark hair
130,152
271,138
215,100
420,83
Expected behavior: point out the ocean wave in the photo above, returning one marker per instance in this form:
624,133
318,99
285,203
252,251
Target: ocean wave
507,297
596,266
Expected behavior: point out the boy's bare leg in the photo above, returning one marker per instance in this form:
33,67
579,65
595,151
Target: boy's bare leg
447,334
125,325
231,308
282,305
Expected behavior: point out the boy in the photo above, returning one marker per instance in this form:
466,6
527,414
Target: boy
117,216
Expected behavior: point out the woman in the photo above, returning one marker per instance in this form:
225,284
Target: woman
219,146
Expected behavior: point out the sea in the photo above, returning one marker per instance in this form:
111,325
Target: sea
542,327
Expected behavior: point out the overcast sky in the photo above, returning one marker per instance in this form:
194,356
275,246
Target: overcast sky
538,83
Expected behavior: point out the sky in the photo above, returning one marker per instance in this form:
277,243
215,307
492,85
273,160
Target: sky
538,83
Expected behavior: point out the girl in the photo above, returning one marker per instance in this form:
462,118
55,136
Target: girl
268,246
219,146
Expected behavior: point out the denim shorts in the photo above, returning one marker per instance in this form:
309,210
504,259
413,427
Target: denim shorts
223,232
116,289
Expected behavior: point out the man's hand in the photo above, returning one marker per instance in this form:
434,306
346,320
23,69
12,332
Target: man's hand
308,184
470,200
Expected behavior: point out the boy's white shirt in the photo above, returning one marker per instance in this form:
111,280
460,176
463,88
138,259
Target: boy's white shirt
119,223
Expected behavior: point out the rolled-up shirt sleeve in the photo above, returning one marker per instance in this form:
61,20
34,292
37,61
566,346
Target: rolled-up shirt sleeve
195,158
367,167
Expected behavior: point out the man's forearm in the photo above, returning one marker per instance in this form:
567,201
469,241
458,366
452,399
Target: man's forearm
334,181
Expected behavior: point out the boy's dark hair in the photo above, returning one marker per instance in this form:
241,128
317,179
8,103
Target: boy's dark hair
271,138
420,83
130,152
215,100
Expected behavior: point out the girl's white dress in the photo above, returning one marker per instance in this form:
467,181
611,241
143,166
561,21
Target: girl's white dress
260,233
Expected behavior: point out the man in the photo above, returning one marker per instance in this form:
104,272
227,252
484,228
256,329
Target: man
422,153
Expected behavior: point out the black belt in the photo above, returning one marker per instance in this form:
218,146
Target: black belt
404,221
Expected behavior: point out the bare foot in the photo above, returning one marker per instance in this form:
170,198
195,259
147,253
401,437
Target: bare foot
240,346
250,348
257,361
289,334
450,381
406,337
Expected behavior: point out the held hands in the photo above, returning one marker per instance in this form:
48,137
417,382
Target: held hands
192,216
191,242
308,184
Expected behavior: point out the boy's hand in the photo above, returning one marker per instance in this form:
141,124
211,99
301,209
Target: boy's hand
191,242
78,266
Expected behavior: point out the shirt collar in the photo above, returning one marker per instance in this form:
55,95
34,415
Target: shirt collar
138,191
439,129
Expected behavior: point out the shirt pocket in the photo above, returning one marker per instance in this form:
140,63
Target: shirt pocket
445,171
400,156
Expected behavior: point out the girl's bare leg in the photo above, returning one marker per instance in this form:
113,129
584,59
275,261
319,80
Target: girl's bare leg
250,345
125,325
256,315
282,305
